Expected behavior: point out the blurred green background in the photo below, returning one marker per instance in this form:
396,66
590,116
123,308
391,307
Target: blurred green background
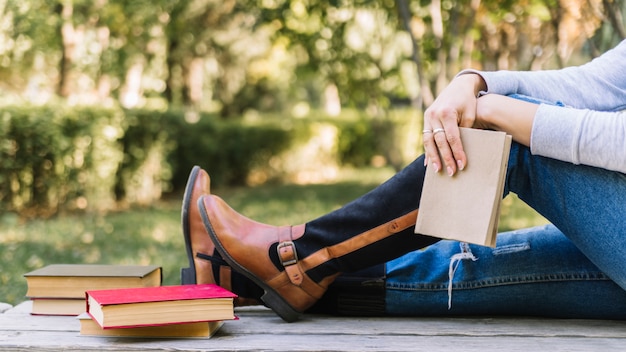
152,235
106,105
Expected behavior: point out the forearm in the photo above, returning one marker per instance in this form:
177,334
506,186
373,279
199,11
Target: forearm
578,136
513,116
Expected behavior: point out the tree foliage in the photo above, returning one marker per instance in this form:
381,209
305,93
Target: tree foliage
239,56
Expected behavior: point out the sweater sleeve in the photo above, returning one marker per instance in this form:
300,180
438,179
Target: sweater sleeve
597,85
591,130
580,136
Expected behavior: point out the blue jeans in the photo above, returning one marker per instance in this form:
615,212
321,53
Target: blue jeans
573,268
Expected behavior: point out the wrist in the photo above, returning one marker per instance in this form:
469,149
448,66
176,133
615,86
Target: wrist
487,112
501,113
475,80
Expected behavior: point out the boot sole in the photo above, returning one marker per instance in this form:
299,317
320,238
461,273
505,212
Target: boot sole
270,297
188,275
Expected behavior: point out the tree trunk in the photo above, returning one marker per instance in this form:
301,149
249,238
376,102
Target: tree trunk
68,41
405,15
171,68
613,12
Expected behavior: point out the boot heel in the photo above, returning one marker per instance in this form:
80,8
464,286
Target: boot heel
187,276
280,307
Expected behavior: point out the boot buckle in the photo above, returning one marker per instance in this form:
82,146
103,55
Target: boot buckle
289,259
287,253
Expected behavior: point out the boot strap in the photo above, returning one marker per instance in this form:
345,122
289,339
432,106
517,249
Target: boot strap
225,278
288,256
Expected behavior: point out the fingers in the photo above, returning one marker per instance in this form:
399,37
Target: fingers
430,149
451,148
454,107
442,142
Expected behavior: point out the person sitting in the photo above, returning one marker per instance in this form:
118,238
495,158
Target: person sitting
567,161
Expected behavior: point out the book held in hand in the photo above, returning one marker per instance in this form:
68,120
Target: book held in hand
203,329
466,206
147,306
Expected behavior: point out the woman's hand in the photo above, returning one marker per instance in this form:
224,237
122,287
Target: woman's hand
454,107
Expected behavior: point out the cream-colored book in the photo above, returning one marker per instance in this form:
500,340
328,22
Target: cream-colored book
204,329
58,306
466,206
72,280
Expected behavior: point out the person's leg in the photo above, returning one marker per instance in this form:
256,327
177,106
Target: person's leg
587,204
531,272
354,293
536,271
294,265
381,204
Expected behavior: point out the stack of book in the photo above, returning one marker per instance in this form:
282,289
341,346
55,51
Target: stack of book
59,289
165,311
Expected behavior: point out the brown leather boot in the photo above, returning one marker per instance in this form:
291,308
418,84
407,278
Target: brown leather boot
205,264
295,267
200,270
361,293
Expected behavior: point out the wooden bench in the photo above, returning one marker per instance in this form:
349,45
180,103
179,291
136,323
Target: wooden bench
259,329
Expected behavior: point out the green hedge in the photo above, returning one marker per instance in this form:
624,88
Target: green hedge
60,158
54,158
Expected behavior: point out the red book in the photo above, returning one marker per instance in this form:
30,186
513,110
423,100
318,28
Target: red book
149,306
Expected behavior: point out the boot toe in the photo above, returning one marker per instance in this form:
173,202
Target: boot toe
245,245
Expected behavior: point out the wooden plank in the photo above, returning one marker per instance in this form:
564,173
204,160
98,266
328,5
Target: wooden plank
4,307
49,341
260,329
487,326
258,320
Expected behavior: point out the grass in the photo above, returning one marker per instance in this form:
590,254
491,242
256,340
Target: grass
153,236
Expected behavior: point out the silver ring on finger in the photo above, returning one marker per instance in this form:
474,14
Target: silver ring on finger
438,130
427,131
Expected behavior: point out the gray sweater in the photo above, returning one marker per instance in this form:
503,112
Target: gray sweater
591,130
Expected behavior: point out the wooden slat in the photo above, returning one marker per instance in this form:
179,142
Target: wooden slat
259,329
